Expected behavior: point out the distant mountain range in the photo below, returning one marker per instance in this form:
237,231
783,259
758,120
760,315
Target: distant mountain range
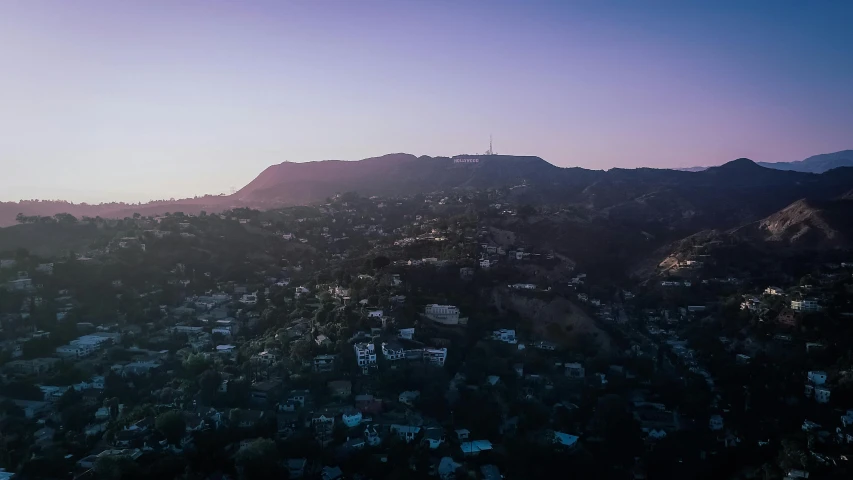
726,196
815,164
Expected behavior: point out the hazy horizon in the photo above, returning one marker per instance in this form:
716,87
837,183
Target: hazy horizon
108,101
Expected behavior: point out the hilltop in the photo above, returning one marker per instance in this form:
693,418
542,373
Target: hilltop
741,189
814,164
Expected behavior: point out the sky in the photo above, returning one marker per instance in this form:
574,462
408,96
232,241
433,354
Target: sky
132,101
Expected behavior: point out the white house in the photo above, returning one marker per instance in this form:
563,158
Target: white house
405,432
444,314
351,417
807,305
74,351
372,436
505,335
435,356
265,358
485,263
522,286
365,354
374,314
821,394
301,292
408,397
817,377
565,439
393,352
20,284
226,350
774,291
406,333
224,331
475,447
447,468
847,419
433,437
46,268
249,299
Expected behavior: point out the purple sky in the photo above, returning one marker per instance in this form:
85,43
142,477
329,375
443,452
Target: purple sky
138,100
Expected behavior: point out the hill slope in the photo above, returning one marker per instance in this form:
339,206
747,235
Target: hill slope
720,197
394,174
805,223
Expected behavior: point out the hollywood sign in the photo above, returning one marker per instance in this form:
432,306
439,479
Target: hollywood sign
466,160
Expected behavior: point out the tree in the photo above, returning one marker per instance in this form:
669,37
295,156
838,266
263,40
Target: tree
381,262
172,425
116,468
526,210
75,417
65,218
209,382
259,459
69,398
196,364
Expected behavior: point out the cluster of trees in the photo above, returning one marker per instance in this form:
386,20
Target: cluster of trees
60,218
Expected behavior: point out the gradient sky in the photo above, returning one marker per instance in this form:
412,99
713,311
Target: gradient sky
131,101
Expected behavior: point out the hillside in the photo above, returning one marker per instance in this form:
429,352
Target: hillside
720,197
394,174
806,225
50,239
47,208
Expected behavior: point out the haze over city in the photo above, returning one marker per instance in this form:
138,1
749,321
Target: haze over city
426,240
120,101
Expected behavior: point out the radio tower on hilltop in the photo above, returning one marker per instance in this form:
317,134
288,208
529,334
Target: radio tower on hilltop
490,151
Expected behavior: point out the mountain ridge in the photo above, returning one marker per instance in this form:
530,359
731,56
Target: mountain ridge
399,174
815,164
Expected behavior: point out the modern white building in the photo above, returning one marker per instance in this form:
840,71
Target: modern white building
393,352
808,305
365,354
444,314
83,346
435,356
